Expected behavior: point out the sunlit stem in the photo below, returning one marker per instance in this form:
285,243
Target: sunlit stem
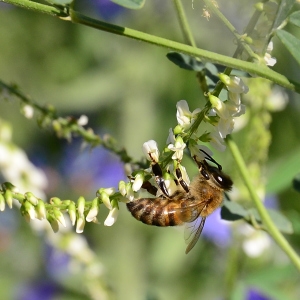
265,217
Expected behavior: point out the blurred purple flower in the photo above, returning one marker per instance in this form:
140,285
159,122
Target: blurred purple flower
107,9
92,168
271,201
38,290
57,262
217,230
254,294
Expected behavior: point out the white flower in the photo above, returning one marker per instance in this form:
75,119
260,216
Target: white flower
269,60
80,224
28,111
151,150
256,242
92,214
234,84
112,217
184,175
185,118
83,120
138,182
171,137
217,141
177,148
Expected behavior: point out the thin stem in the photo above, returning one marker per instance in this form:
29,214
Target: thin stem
38,7
265,217
76,17
187,33
212,7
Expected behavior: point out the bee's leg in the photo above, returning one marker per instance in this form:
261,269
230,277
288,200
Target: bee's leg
181,181
157,171
150,188
147,186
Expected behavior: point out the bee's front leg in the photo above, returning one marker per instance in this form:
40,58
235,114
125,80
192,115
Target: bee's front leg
157,171
181,181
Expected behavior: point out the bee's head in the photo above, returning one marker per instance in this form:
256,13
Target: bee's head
215,175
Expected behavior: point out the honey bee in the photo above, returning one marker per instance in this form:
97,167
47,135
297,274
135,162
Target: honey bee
188,205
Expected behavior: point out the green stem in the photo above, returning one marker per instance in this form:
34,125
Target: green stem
187,33
267,221
76,17
38,7
212,7
259,70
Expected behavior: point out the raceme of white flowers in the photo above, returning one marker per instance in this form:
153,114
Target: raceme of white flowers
218,123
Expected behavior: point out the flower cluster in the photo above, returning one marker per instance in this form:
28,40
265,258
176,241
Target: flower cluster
33,207
218,123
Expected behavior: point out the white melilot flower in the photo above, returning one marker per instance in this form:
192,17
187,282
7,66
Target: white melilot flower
28,111
112,217
83,120
217,141
171,137
138,182
80,224
256,242
178,148
150,150
185,118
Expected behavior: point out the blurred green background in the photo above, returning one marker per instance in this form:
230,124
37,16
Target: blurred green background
130,89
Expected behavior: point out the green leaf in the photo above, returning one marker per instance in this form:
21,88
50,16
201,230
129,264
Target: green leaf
282,172
290,42
281,222
283,11
296,182
131,4
60,2
185,61
295,18
232,211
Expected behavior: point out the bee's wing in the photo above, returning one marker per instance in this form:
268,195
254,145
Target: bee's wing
192,232
190,212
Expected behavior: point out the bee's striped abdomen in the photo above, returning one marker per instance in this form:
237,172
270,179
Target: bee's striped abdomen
158,212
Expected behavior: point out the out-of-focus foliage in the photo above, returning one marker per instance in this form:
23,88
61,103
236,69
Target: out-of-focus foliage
130,90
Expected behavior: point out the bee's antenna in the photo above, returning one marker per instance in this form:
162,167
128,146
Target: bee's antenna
208,157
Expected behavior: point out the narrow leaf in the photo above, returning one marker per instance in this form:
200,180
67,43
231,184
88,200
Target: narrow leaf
131,4
232,211
291,43
282,171
283,12
296,182
185,61
295,18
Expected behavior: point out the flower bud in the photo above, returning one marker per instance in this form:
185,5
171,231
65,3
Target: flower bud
93,211
72,212
122,188
29,208
2,203
8,198
81,206
40,210
53,222
55,201
138,181
59,217
31,198
80,224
